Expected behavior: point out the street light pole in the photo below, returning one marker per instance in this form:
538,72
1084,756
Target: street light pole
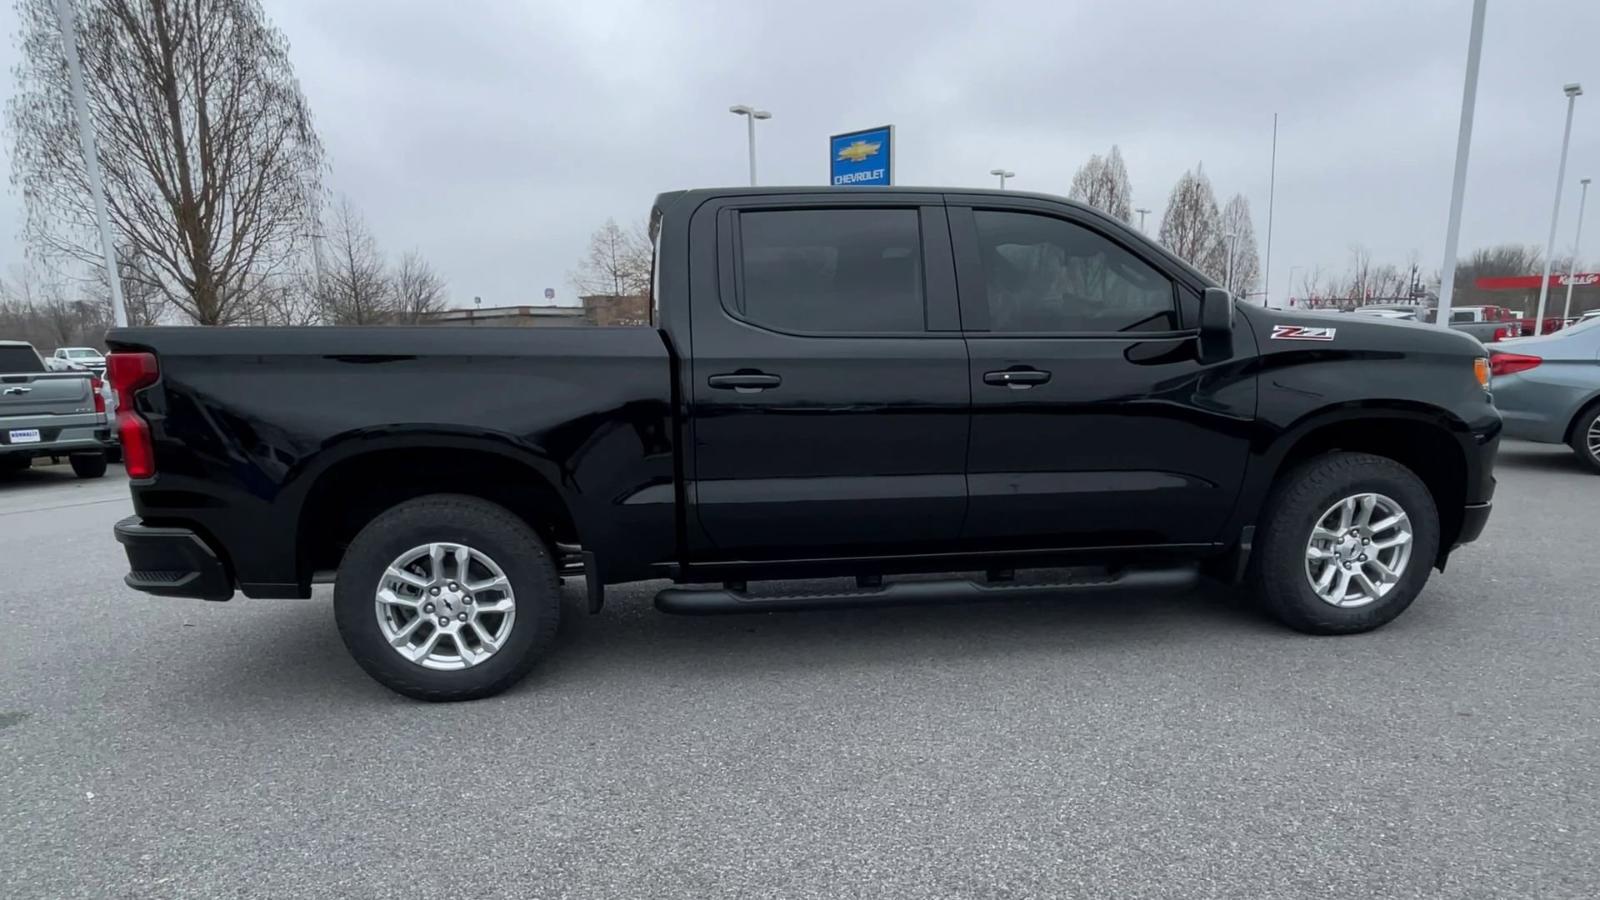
1572,91
1003,176
1572,268
91,158
1272,195
751,114
1228,263
1141,213
1289,292
1458,188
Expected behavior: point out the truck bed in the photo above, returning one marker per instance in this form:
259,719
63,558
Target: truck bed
247,421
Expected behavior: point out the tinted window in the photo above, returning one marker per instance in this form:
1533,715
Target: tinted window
83,354
1044,274
1466,316
14,359
832,270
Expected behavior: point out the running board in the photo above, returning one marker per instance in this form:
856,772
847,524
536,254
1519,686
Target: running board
1056,582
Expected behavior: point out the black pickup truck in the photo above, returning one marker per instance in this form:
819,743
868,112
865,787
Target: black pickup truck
902,395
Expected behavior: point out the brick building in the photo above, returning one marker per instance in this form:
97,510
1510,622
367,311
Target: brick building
604,309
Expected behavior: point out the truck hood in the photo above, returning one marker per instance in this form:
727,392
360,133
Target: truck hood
1280,329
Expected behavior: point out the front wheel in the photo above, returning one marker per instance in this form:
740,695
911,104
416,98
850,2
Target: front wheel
1348,539
447,597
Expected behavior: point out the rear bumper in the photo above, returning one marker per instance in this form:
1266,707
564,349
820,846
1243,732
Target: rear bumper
171,562
1473,518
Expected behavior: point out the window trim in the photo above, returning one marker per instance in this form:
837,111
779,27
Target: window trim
730,263
972,278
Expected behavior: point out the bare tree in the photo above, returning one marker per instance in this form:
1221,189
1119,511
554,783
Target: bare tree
1241,261
146,303
38,307
289,300
418,290
210,160
617,264
1102,183
355,285
1191,227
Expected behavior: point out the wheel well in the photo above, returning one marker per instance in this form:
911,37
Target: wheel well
1577,419
1427,449
354,491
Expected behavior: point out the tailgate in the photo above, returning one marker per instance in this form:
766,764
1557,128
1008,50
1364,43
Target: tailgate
46,394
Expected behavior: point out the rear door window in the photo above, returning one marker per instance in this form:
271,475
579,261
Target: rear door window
831,271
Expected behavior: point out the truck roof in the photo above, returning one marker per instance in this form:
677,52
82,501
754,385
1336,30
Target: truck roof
692,197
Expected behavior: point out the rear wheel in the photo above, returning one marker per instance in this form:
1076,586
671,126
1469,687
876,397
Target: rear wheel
1585,440
1348,542
447,597
88,465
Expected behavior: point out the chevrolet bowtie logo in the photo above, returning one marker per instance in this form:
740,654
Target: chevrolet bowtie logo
859,151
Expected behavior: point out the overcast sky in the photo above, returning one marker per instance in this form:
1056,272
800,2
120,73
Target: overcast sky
494,137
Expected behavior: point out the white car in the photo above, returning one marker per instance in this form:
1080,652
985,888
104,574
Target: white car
81,358
1406,315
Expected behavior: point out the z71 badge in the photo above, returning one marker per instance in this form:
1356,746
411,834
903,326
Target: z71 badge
1302,333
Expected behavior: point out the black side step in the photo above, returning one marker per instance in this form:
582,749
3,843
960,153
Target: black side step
721,601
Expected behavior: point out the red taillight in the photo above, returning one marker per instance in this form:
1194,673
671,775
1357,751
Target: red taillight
1501,334
98,389
1511,363
130,372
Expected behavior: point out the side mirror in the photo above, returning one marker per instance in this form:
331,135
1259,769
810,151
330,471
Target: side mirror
1216,325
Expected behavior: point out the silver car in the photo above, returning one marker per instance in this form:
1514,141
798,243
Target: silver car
1548,388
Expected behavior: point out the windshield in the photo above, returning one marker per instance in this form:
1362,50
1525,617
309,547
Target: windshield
83,353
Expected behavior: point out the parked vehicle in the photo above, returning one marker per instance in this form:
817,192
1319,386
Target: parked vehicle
45,413
862,383
1548,388
1552,324
1385,312
82,357
1486,323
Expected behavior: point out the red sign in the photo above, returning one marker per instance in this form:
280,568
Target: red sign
1531,282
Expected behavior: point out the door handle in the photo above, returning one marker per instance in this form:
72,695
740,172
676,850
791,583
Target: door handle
19,390
744,382
1017,379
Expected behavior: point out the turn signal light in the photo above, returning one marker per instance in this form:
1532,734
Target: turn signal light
1480,368
1512,363
131,372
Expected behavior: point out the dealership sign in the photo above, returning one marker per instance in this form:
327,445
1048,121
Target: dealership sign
862,157
1531,282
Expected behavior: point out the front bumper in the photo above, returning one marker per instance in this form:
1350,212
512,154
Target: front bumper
1473,518
171,562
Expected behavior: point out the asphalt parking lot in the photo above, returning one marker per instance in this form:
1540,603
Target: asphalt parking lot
1131,747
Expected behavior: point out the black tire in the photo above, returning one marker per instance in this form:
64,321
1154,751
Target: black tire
1578,440
459,519
88,465
1278,563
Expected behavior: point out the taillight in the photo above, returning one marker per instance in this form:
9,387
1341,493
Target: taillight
1502,364
98,389
131,372
1501,334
